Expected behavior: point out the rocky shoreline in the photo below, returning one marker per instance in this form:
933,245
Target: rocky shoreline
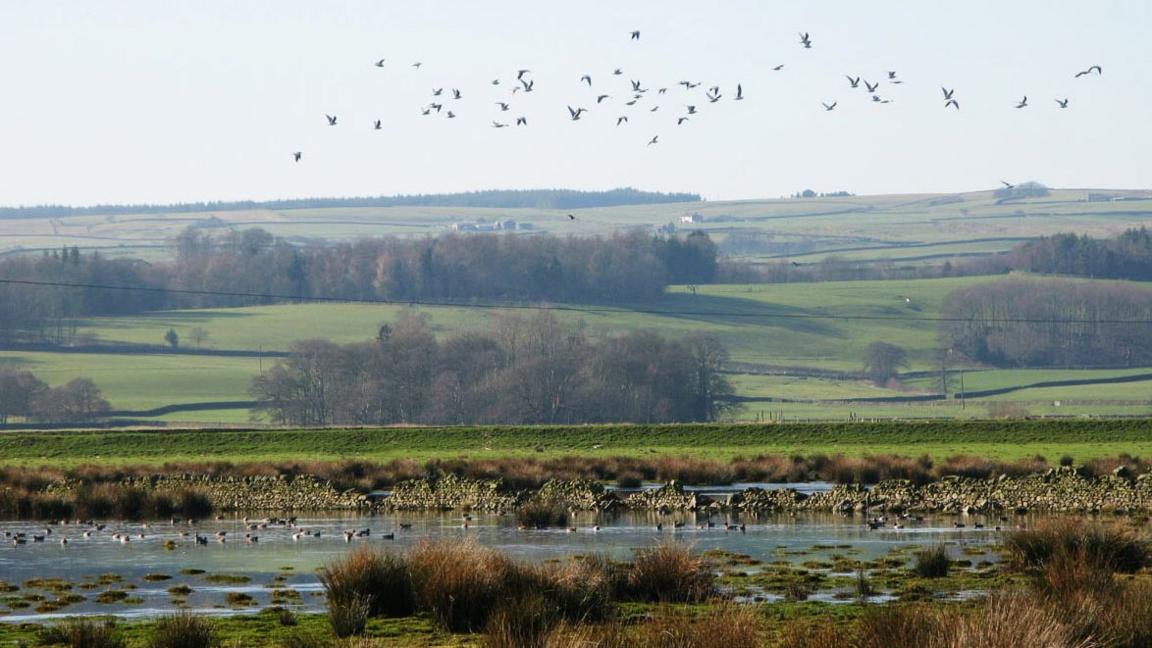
1059,490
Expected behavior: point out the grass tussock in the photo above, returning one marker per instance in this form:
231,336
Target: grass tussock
725,625
932,562
82,633
183,630
670,573
539,513
380,580
1107,547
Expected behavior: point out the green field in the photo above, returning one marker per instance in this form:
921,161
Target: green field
769,328
807,229
991,439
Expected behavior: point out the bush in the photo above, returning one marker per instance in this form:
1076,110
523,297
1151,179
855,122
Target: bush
348,616
669,573
183,630
931,563
380,580
82,633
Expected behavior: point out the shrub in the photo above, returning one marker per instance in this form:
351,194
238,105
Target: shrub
669,573
183,630
381,580
82,633
348,616
931,563
1007,620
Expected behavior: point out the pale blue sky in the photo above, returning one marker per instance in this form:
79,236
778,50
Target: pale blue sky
146,101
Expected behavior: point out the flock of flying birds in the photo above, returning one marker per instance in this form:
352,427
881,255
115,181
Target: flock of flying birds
442,104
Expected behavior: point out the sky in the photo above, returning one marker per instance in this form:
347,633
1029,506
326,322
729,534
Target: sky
124,101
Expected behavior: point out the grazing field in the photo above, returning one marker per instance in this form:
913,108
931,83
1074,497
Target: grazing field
1007,440
886,226
766,327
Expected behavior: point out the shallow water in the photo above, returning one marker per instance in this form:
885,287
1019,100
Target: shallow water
774,537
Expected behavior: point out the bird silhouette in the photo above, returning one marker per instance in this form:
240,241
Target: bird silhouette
571,217
947,92
681,120
496,124
503,106
436,92
426,111
521,121
853,81
380,63
1008,185
829,107
377,124
576,112
331,120
952,102
456,94
621,120
805,40
451,115
891,75
691,110
417,65
600,98
778,68
495,82
587,79
528,85
617,72
297,155
739,92
1063,103
871,86
654,140
1023,102
435,106
654,109
520,74
662,91
1095,68
636,34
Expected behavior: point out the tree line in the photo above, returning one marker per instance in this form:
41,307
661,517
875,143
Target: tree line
27,397
531,370
1066,323
626,267
496,198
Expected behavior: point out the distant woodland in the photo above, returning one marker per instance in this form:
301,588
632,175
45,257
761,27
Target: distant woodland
528,370
633,267
506,199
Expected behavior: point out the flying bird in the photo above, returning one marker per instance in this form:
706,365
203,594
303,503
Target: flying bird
417,65
426,111
654,109
829,107
617,72
571,217
520,74
662,91
377,124
496,124
739,92
575,113
503,106
681,120
1095,68
380,63
891,75
587,79
688,85
1008,185
654,140
528,85
437,107
521,121
805,40
952,102
947,92
871,86
691,110
778,68
853,81
1063,103
456,93
331,119
451,115
495,81
600,98
297,155
636,34
437,91
621,120
1023,102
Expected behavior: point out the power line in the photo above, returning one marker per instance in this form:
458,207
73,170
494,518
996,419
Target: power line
563,307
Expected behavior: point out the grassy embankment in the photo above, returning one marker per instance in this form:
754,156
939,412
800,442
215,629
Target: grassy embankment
1002,440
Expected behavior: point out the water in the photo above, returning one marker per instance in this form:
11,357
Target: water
277,556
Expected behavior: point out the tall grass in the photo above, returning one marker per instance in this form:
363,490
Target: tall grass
537,512
379,580
1108,547
723,626
669,573
82,633
459,582
183,630
932,562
